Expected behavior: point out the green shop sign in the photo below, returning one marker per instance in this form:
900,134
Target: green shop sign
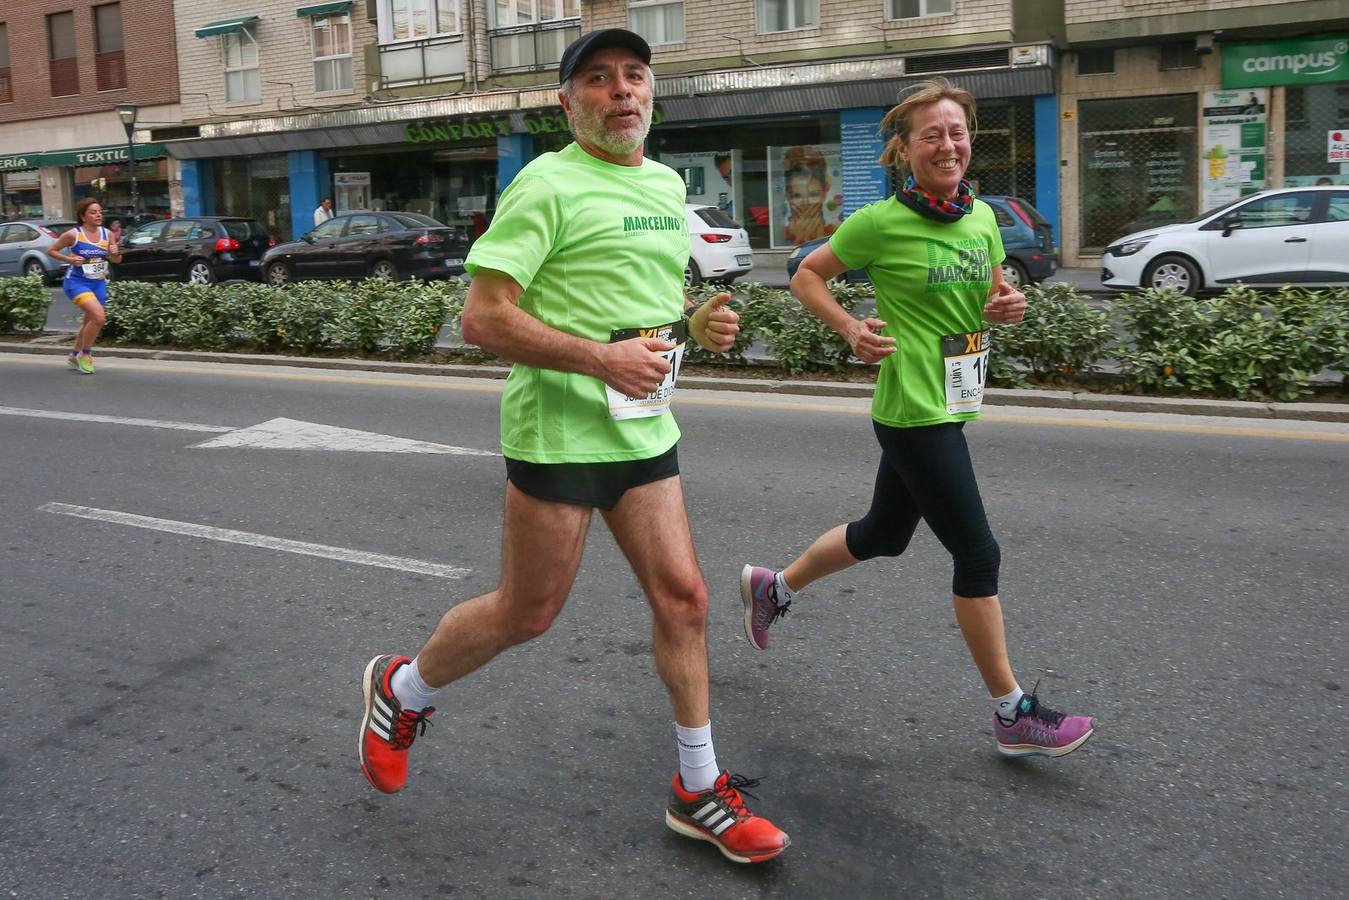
459,131
1298,61
89,156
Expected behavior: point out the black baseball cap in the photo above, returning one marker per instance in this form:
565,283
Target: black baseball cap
602,39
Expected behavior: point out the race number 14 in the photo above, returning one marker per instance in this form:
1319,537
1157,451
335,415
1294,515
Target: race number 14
966,359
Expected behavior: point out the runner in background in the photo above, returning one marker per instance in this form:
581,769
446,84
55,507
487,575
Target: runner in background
90,247
934,255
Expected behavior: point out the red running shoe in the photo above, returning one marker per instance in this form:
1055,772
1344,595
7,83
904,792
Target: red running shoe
720,816
387,730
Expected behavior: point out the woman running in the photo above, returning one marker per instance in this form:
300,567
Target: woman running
86,282
934,255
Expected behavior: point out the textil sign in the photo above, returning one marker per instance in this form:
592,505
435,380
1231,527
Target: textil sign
1297,61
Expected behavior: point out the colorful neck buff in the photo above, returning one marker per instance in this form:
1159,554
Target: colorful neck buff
923,203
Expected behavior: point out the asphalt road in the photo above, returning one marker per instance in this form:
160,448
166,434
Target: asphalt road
181,710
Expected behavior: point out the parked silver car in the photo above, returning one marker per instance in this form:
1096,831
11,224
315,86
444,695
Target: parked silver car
23,247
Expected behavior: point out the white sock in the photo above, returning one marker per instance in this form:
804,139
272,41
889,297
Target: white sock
1005,707
697,760
410,690
785,594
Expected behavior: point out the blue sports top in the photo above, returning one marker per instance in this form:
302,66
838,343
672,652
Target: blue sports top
94,254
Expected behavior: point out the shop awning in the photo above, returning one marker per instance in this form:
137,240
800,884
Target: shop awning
324,9
225,26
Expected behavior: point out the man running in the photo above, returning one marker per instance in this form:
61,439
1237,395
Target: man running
579,282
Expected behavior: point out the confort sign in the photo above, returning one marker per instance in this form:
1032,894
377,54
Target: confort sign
467,130
1301,61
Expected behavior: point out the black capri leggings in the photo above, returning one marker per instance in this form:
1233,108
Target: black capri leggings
925,473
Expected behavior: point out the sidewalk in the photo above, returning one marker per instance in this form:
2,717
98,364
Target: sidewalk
995,397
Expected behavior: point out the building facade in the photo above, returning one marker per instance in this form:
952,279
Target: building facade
64,67
1170,108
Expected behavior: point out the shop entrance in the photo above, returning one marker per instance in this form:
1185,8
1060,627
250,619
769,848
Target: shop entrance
456,186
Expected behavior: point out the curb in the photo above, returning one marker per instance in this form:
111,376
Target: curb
1046,399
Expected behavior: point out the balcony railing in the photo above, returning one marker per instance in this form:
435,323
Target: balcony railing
65,77
110,70
6,86
422,61
525,47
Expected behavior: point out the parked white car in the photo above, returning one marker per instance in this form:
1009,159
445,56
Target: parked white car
720,247
1297,236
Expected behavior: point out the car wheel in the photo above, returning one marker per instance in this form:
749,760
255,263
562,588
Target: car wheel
278,274
199,271
693,276
35,269
1014,273
1175,272
384,269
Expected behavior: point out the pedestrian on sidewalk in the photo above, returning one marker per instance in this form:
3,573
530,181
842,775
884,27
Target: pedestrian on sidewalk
579,282
323,212
934,254
91,246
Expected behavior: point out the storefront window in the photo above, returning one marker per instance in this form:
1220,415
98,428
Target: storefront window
1002,159
1138,162
22,197
256,188
111,184
1311,113
453,185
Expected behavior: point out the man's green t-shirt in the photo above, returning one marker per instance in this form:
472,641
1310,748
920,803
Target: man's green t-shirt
597,248
932,281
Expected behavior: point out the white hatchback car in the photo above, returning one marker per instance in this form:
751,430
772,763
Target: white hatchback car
1297,236
720,247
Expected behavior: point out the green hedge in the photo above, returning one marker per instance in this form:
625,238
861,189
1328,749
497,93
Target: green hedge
1244,343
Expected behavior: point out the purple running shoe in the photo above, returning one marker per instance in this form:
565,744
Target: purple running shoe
1041,731
759,591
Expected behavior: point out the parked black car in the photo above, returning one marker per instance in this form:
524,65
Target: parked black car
200,250
390,245
1027,239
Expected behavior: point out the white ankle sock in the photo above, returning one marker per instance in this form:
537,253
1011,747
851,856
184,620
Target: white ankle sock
784,592
411,691
697,760
1004,707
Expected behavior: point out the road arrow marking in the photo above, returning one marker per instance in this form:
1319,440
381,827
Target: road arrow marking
110,420
266,542
290,434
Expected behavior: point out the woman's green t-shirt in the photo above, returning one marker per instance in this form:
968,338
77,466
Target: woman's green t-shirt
932,280
598,248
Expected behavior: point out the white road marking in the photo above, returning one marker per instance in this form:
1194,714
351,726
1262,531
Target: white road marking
266,542
290,434
110,420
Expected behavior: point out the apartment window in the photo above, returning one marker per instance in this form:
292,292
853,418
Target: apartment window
6,85
410,20
787,15
919,9
332,51
659,21
109,58
1178,56
529,34
1096,61
243,80
65,71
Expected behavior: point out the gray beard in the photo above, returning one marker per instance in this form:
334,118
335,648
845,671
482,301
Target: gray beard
591,129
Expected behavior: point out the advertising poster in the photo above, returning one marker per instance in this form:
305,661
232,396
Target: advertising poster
1233,145
805,193
711,177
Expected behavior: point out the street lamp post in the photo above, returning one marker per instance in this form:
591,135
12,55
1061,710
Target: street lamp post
127,113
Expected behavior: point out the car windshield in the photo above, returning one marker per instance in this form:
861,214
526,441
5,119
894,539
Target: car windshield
414,220
244,229
715,217
1217,209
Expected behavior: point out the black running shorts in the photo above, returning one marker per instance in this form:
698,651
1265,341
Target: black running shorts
600,484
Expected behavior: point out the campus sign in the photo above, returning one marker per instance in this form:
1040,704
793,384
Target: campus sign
1296,61
458,131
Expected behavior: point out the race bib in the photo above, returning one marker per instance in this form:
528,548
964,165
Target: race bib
658,401
966,358
96,269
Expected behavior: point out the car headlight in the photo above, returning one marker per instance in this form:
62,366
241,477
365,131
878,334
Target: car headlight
1129,248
